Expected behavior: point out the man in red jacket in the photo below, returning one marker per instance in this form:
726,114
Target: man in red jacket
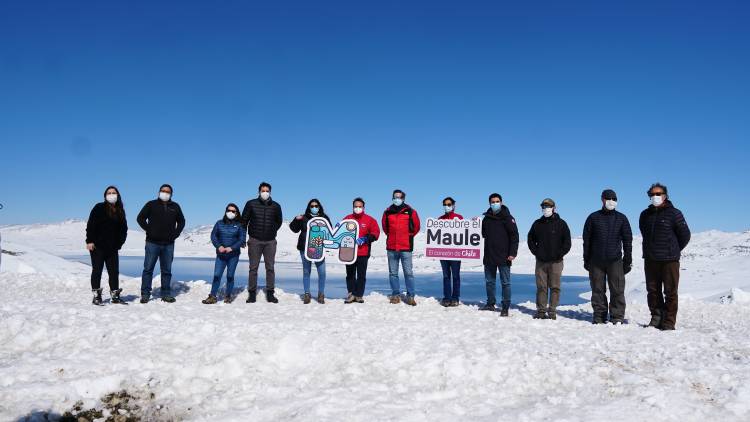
356,273
400,223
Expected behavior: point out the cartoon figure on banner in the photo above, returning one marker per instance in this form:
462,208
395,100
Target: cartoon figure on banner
321,236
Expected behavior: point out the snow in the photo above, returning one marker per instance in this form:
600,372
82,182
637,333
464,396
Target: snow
366,362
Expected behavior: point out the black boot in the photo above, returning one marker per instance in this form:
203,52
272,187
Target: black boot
145,297
655,320
251,294
97,300
115,295
504,311
270,298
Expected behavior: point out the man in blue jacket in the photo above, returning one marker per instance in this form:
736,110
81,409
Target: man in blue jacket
665,234
608,256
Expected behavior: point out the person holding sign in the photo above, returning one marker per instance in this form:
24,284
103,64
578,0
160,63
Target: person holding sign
299,225
500,235
549,241
400,224
451,268
356,273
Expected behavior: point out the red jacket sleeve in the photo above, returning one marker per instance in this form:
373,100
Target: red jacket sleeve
415,220
383,223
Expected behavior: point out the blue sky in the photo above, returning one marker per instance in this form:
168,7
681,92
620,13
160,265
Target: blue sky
337,100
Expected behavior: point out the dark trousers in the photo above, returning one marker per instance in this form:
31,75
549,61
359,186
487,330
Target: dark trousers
451,288
267,249
601,275
356,276
663,275
98,260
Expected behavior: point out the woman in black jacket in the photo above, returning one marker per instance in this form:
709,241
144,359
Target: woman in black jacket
106,232
299,225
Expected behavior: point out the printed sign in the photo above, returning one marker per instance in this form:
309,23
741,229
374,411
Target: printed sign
322,238
454,239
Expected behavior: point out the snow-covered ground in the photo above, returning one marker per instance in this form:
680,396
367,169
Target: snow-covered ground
374,361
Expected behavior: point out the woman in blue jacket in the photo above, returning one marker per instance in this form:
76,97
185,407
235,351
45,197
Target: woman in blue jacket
228,236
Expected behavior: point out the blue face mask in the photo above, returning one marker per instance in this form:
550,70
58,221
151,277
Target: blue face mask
398,201
314,210
496,206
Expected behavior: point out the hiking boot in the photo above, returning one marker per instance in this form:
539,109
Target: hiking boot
251,296
488,307
551,315
350,299
655,320
410,301
395,299
210,300
270,298
618,321
504,311
598,320
454,302
540,315
228,298
445,302
667,327
306,298
168,299
321,298
97,299
145,298
115,295
359,299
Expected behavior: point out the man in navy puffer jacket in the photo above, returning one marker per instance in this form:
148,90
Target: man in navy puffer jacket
608,256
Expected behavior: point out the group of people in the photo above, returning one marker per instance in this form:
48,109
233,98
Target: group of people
607,250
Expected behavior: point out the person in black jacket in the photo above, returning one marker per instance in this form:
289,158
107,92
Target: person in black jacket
549,242
162,220
500,235
607,256
106,232
299,225
665,234
262,218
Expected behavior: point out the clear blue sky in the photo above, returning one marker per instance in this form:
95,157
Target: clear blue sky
529,99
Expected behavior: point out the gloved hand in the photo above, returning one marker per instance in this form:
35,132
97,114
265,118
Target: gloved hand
362,240
586,266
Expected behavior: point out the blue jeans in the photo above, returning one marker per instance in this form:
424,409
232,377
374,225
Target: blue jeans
165,254
451,291
230,263
393,259
307,270
490,275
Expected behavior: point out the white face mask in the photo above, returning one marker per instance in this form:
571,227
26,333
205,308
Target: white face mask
164,196
448,208
358,210
610,204
547,212
265,195
231,215
657,200
112,198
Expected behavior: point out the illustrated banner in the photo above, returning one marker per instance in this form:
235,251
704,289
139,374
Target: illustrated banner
324,241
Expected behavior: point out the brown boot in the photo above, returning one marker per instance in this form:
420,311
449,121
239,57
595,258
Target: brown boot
321,298
395,299
306,298
210,300
410,301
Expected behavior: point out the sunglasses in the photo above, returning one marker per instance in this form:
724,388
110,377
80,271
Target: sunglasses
650,194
